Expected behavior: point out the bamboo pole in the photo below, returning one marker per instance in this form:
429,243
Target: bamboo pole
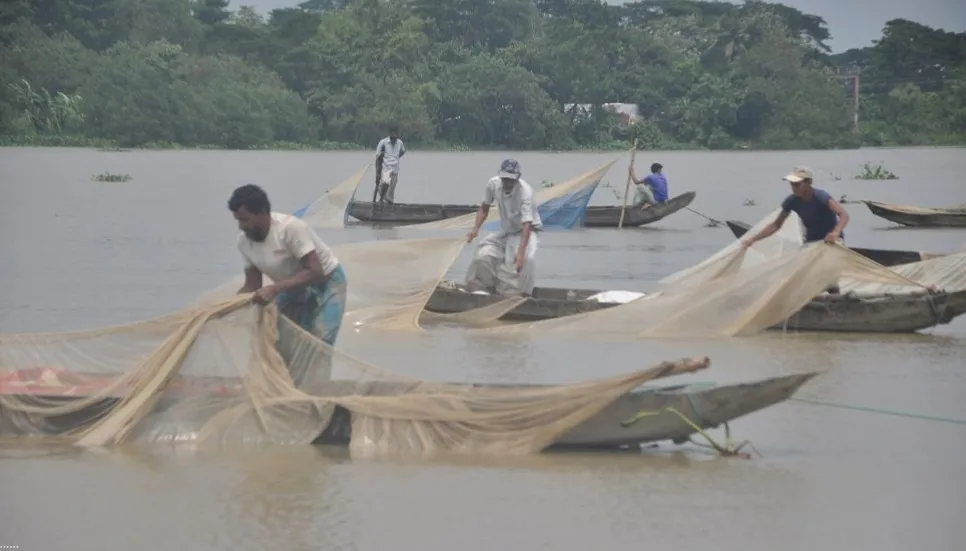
627,187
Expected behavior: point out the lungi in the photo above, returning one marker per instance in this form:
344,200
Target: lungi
318,309
494,269
387,183
643,195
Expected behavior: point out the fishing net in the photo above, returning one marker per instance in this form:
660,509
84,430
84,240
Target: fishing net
389,282
227,372
331,209
560,206
223,374
732,293
945,273
564,212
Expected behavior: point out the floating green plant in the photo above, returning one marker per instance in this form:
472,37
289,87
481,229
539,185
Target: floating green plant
111,177
875,172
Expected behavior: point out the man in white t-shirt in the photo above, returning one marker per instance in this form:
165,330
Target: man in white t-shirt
308,283
388,153
504,261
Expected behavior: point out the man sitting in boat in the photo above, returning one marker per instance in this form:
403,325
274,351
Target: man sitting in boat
652,190
388,153
308,283
504,261
823,217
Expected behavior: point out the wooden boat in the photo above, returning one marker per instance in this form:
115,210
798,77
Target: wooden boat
886,257
919,217
595,217
903,313
705,407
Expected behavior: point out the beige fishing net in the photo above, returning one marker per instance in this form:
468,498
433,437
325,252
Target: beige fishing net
329,210
223,374
227,372
946,273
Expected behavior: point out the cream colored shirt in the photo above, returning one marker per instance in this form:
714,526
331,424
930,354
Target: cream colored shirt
289,239
516,208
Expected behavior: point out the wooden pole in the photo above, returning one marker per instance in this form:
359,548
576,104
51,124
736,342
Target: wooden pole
627,187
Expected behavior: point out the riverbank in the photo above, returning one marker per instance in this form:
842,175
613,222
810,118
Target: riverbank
614,145
111,145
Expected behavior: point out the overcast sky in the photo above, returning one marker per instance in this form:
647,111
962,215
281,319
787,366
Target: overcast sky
853,23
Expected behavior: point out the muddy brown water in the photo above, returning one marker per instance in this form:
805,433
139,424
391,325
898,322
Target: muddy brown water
80,254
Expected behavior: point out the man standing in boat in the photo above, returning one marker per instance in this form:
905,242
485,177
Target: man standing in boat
504,260
308,283
388,153
652,190
823,217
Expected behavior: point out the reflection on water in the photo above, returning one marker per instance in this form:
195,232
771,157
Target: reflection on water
829,478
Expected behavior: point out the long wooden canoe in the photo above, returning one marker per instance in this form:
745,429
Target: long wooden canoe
596,217
886,257
902,313
919,217
705,407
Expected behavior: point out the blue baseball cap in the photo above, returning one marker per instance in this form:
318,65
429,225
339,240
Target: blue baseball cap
510,169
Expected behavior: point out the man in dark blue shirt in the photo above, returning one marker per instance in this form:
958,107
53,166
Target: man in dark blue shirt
652,190
823,218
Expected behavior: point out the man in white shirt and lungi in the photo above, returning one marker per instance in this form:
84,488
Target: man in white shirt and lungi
388,153
308,283
504,261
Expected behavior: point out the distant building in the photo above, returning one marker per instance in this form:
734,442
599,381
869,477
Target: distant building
627,111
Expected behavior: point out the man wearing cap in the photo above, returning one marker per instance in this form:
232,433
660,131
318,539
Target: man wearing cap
388,153
504,260
822,216
652,190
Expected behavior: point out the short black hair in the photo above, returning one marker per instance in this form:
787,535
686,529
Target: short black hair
656,167
394,129
250,196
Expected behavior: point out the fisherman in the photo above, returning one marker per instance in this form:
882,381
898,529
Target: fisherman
652,190
504,261
823,217
388,153
308,283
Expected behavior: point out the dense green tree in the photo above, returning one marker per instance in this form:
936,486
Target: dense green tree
489,73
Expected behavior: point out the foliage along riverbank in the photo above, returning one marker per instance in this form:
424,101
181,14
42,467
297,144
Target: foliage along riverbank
462,75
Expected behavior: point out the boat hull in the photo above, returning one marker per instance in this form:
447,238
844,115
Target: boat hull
835,313
924,220
706,408
886,257
595,217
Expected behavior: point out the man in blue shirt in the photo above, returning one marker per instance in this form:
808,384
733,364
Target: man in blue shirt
652,190
823,217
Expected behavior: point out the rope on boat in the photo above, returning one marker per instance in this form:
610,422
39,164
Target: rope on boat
728,449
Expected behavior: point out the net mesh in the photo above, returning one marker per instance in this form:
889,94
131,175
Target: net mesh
223,374
567,211
331,209
734,292
224,371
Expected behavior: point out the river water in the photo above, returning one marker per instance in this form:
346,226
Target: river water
80,254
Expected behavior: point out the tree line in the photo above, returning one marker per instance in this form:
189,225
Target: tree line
519,74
